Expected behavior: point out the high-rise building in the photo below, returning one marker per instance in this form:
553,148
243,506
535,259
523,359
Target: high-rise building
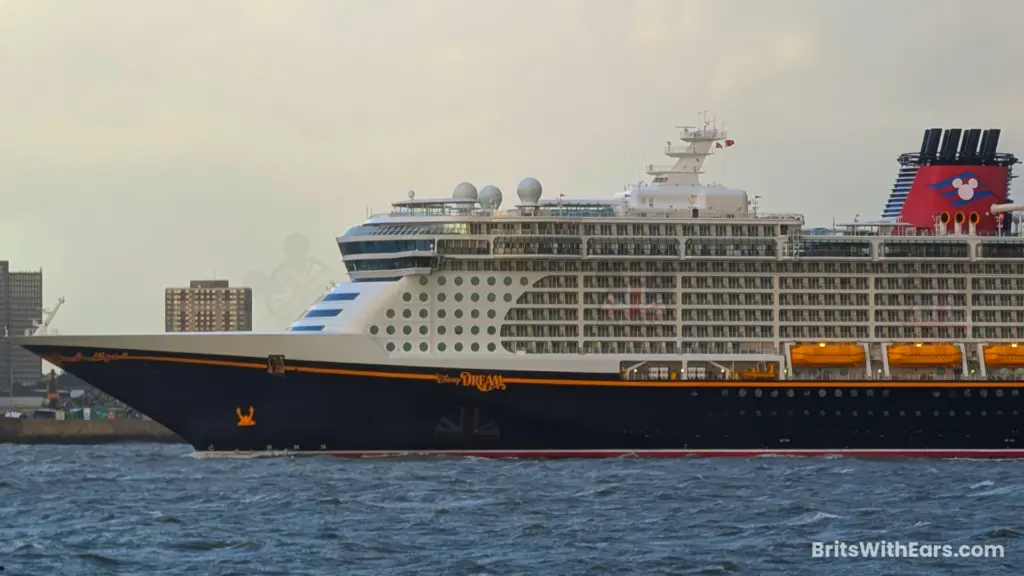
21,311
208,306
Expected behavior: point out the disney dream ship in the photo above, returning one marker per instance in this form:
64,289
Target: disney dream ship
672,319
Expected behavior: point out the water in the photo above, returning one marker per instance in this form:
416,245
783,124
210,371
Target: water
152,509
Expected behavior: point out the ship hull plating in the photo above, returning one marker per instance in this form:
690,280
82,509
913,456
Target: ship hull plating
223,405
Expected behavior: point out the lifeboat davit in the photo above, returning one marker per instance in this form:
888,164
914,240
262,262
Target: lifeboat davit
827,355
924,355
1004,356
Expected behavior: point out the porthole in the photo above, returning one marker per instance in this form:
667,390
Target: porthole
885,393
999,393
870,393
491,281
757,393
458,329
391,313
373,330
390,346
491,330
441,313
441,330
423,313
423,280
458,346
407,330
423,346
789,393
474,281
854,413
474,297
967,393
458,280
967,413
492,297
839,393
458,313
441,347
822,393
524,281
952,413
1015,392
507,297
391,330
491,314
725,391
807,392
407,313
424,329
474,330
984,393
475,313
742,393
491,347
508,280
407,297
423,296
407,347
458,297
935,412
853,393
775,393
475,347
441,280
984,412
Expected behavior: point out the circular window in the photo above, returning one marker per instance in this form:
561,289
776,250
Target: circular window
442,297
458,313
474,281
407,347
407,313
423,296
441,347
524,281
407,297
508,280
373,329
491,314
441,313
423,280
475,347
424,329
490,347
458,329
391,313
508,297
407,330
458,297
391,329
423,312
474,297
441,329
390,346
441,280
423,346
492,297
475,313
491,330
458,346
474,330
491,281
458,280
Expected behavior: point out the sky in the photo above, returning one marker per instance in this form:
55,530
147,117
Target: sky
147,143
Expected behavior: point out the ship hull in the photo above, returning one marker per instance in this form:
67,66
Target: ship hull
228,404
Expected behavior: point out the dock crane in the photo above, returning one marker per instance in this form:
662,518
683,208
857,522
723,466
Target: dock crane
42,328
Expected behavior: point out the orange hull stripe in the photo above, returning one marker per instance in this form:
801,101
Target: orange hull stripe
570,382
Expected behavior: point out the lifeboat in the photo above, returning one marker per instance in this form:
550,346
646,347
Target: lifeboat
924,355
827,355
1004,356
755,374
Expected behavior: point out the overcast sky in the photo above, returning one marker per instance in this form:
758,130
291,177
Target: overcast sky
146,143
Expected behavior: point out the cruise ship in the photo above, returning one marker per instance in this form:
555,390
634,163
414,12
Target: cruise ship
672,319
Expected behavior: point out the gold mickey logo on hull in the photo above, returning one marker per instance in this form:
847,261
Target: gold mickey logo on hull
246,419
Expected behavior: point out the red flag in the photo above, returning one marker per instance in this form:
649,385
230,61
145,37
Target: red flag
729,143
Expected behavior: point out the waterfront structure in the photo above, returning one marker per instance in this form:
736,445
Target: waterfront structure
208,306
21,312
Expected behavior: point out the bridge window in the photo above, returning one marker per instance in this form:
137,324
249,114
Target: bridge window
323,313
307,328
340,297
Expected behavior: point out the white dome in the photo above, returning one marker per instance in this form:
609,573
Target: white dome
529,191
490,198
465,191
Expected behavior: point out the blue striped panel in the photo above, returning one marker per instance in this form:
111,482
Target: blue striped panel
307,328
341,296
323,313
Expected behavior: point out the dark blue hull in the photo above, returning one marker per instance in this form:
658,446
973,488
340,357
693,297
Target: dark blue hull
319,407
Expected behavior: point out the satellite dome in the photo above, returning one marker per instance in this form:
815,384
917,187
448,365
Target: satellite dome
529,191
490,198
465,191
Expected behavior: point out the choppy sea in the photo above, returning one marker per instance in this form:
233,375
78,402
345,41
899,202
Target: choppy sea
154,509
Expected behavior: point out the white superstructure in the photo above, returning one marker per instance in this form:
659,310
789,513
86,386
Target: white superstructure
669,279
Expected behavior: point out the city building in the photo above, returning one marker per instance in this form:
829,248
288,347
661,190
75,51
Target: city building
208,306
21,311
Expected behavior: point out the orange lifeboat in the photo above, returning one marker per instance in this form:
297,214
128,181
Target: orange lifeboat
756,374
924,355
1004,356
827,355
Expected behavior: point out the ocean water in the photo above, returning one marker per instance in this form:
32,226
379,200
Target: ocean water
153,509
